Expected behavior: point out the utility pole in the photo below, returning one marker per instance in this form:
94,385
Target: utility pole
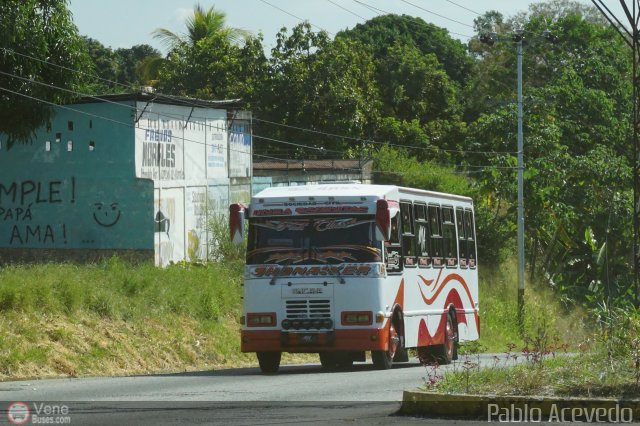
518,38
631,38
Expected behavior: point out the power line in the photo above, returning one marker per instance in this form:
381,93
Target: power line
479,167
257,119
5,49
256,136
370,141
296,144
101,117
372,8
463,7
347,10
381,11
297,17
436,14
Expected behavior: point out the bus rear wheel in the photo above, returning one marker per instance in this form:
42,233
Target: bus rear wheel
269,361
446,352
383,360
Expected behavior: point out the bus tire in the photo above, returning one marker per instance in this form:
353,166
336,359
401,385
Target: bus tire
447,352
383,360
269,361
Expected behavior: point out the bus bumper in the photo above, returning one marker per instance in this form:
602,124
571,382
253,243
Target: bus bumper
335,340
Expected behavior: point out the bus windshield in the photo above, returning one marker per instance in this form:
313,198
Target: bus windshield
313,241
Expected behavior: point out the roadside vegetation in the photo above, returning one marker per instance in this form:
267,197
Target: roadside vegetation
564,350
114,318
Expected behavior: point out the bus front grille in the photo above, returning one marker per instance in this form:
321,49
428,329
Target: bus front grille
308,309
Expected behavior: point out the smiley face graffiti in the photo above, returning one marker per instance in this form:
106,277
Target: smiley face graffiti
106,215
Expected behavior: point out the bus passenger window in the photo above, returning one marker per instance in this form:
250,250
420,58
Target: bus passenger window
436,235
462,239
422,235
449,237
471,238
408,237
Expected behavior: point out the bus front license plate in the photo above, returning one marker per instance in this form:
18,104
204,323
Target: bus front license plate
307,339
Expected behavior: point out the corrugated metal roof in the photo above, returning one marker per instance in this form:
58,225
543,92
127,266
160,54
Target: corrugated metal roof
162,99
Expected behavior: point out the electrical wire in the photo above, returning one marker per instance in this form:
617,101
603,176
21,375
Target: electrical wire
463,7
479,167
370,141
372,8
346,10
297,17
381,11
178,117
436,14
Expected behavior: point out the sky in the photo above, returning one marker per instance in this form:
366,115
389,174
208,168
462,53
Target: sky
125,23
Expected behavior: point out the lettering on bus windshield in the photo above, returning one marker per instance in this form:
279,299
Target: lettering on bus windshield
306,271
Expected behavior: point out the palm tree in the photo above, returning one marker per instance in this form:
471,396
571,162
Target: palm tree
203,24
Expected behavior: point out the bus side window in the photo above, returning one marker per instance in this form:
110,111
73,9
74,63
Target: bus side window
422,235
471,238
408,236
449,237
436,235
462,239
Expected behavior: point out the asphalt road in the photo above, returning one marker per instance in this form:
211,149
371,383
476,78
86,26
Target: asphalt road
298,394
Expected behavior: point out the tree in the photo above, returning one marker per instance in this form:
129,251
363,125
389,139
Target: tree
213,68
317,83
39,43
384,32
202,25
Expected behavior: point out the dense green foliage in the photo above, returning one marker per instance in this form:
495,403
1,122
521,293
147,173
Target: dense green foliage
120,69
41,29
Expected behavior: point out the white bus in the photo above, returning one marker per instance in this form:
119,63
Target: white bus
341,269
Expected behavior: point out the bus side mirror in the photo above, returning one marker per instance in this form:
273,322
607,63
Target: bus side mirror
236,222
383,219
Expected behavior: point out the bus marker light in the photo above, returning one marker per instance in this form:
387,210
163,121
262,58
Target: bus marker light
357,318
263,319
379,317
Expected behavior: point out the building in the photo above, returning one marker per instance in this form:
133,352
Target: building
138,175
309,172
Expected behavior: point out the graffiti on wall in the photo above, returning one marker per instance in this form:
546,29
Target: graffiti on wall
106,215
19,202
36,213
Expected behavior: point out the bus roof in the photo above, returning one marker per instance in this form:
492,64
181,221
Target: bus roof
350,190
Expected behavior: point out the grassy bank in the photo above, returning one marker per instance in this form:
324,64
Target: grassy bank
114,318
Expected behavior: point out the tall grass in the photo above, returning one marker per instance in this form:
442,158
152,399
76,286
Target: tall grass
114,318
117,290
544,312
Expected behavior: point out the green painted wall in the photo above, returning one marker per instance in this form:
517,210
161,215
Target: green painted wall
82,192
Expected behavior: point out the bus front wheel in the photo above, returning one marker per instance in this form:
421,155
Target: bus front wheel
383,360
269,361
